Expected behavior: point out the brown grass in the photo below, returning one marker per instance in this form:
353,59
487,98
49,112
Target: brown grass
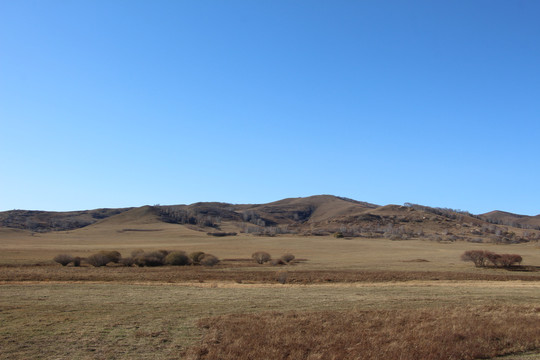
229,272
115,312
323,253
442,333
48,320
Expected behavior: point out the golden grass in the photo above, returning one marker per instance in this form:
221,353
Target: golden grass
126,321
19,247
58,312
459,332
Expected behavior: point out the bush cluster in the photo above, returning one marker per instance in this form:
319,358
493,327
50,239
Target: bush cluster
481,258
262,257
141,258
63,259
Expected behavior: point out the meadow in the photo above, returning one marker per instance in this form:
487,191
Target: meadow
342,299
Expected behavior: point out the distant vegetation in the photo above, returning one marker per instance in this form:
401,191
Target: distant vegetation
177,215
141,259
221,234
481,258
63,259
262,257
162,257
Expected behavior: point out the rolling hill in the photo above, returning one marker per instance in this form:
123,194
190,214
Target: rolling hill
314,215
506,218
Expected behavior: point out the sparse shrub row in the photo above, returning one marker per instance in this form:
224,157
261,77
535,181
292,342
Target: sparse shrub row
141,258
262,257
482,258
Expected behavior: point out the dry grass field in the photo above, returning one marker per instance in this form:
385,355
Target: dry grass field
391,293
322,252
159,321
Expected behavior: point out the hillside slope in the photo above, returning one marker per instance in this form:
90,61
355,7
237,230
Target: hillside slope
314,215
43,221
506,218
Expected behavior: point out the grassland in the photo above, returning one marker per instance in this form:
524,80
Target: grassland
322,252
159,321
49,311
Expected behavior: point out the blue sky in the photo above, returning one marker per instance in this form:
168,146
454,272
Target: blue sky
126,103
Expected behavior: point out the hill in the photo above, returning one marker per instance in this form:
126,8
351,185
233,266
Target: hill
43,221
314,215
510,219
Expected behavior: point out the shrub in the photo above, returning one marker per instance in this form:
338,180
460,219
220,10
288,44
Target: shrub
113,256
493,258
98,260
209,260
508,260
77,261
63,259
478,257
261,257
282,277
139,261
481,258
138,257
196,257
178,258
287,258
136,253
338,235
164,252
127,261
154,258
275,262
150,260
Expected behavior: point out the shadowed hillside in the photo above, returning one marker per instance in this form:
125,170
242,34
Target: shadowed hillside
43,221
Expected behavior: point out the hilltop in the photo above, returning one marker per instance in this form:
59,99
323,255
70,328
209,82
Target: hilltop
314,215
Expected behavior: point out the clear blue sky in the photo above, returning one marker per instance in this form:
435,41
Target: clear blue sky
116,103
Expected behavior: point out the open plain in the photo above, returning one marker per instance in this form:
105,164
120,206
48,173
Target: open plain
341,298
